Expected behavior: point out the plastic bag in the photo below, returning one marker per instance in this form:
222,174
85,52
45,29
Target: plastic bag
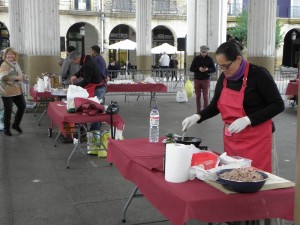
206,160
188,87
181,96
97,143
73,92
94,139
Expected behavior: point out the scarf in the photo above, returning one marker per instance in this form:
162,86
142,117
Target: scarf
240,72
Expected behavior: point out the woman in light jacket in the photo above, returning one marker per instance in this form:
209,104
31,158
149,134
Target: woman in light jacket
11,78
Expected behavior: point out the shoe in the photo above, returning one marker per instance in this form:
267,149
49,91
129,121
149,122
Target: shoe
17,128
7,133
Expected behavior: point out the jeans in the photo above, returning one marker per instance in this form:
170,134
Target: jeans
8,102
201,86
100,93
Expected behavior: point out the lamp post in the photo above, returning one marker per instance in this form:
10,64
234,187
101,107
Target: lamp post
293,37
82,34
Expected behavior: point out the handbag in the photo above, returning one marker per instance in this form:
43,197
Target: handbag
87,106
113,108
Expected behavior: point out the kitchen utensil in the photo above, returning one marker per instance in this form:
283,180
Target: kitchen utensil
188,140
183,135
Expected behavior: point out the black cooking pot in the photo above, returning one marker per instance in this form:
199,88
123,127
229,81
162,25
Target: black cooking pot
188,140
242,186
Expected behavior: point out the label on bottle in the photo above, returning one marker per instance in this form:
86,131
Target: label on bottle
154,120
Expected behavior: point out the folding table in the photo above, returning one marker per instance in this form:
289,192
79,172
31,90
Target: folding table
141,163
57,111
138,87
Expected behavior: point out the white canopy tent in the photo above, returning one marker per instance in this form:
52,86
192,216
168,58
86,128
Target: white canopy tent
165,47
124,45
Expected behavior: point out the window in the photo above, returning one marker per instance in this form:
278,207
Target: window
83,5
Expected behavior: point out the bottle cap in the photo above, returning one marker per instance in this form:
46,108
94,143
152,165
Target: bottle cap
169,135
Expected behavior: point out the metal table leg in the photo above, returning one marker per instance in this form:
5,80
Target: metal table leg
39,123
153,99
37,107
133,195
75,147
57,136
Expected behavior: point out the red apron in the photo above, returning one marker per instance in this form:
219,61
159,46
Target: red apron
90,88
254,143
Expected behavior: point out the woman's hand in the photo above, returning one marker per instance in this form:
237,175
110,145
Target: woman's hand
190,121
239,124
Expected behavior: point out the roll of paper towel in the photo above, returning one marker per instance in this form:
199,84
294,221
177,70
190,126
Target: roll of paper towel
178,162
40,85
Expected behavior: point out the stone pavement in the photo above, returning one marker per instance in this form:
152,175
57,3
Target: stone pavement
37,189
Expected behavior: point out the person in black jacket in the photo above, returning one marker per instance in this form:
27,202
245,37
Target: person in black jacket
90,78
89,72
113,68
247,98
202,66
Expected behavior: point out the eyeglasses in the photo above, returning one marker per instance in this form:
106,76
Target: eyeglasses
226,66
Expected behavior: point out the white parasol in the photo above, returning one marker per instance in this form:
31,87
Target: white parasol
165,47
124,45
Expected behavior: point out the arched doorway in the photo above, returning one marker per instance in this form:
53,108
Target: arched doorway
160,35
291,48
4,36
82,41
120,33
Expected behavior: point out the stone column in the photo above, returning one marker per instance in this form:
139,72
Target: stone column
35,35
143,35
261,33
206,25
196,28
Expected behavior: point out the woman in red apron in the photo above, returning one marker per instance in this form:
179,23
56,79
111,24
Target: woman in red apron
247,98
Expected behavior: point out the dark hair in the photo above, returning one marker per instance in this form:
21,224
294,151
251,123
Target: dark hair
71,48
230,50
96,48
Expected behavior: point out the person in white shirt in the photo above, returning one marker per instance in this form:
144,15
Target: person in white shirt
164,63
164,60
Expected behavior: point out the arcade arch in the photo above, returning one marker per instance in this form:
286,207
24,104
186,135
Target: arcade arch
82,43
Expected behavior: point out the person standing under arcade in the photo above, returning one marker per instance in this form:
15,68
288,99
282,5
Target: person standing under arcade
247,98
202,66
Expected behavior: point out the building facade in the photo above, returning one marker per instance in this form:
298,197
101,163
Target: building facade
108,21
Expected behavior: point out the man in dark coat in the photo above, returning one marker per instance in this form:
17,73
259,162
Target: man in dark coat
202,66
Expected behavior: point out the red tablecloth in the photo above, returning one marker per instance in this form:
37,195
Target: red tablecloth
138,87
192,199
57,111
292,88
39,95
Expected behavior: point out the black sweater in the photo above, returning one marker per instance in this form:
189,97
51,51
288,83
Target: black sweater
89,72
200,61
262,100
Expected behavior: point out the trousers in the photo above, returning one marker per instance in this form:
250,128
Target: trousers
100,93
8,102
201,86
